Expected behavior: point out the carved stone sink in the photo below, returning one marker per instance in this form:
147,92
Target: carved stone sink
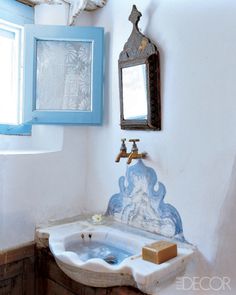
110,255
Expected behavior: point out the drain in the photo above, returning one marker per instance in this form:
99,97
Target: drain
111,259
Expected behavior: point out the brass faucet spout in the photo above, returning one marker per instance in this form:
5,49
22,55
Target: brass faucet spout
123,151
118,157
122,154
130,158
134,152
135,155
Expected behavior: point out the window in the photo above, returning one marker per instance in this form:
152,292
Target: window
61,76
10,74
13,16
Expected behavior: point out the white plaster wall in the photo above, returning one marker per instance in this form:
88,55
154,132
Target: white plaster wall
38,188
194,153
48,182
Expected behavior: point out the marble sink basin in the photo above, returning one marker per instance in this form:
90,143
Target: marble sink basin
110,255
99,248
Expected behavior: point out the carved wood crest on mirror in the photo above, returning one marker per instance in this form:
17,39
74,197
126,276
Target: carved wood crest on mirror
139,81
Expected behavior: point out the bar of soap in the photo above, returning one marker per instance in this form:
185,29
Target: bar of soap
159,252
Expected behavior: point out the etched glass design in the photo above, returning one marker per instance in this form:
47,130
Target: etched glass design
64,77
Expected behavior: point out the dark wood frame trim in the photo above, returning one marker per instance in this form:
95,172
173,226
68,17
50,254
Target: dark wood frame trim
17,270
18,253
140,50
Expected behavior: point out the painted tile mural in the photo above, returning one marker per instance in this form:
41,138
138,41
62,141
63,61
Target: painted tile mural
67,65
140,203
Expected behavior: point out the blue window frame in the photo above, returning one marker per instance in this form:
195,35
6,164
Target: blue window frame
63,75
15,14
79,97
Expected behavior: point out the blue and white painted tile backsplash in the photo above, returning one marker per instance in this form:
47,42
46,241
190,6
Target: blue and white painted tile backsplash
138,203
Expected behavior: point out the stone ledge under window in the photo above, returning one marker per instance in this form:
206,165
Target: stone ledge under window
44,139
25,152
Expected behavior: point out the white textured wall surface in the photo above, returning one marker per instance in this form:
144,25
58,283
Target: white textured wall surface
49,181
194,154
41,187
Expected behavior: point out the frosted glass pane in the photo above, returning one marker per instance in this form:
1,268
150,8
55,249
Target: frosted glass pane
64,75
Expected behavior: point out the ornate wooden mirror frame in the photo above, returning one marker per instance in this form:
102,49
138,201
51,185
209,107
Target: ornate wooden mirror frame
137,51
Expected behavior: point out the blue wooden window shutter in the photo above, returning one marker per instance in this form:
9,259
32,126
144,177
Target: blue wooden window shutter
47,79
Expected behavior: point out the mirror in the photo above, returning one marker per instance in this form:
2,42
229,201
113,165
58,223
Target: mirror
134,85
139,81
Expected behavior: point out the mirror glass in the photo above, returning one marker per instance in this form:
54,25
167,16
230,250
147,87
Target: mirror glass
67,61
135,92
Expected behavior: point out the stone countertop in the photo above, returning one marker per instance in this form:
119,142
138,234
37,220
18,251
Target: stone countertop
43,231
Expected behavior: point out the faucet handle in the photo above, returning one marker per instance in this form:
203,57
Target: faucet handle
134,147
134,140
123,146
